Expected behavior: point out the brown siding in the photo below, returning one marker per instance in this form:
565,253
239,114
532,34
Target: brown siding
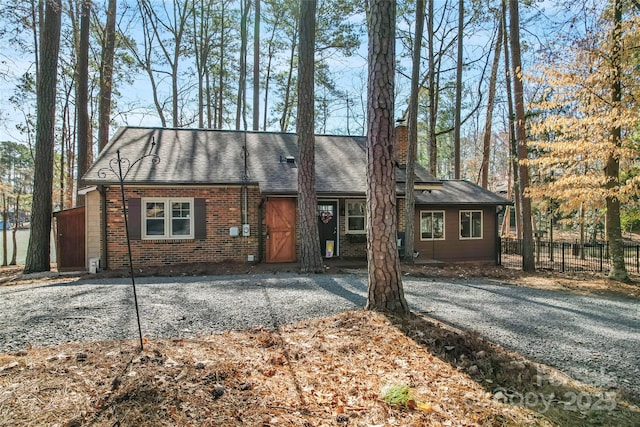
223,211
452,248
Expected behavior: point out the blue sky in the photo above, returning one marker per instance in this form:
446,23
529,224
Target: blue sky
352,73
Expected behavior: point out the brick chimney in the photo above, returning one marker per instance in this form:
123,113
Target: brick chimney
402,143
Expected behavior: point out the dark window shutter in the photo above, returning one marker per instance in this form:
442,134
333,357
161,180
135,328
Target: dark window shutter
134,219
200,219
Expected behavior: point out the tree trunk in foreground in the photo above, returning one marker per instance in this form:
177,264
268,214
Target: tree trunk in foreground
310,257
385,283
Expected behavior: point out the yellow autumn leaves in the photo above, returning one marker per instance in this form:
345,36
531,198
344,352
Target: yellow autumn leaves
576,119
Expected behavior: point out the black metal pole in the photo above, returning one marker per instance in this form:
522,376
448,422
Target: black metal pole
126,226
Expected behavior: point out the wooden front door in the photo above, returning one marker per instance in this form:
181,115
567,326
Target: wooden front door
70,239
281,230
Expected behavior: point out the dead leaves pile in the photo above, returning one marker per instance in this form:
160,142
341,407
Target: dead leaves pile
327,372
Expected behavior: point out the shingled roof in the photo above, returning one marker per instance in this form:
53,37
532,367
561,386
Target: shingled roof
216,157
461,193
196,156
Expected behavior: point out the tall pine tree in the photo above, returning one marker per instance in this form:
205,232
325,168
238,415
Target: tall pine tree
310,257
38,252
385,291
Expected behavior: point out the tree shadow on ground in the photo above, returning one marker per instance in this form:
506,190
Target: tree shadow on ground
514,380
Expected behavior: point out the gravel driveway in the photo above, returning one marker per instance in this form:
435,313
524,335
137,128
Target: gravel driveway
592,338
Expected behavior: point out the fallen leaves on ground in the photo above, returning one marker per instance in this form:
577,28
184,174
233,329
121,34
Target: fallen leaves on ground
324,372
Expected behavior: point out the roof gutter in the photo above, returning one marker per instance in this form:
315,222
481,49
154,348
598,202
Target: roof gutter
164,184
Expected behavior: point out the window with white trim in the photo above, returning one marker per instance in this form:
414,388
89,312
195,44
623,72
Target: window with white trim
167,218
355,211
471,224
431,225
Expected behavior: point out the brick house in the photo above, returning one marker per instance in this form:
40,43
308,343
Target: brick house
215,196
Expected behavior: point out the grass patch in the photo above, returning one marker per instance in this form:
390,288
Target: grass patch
397,395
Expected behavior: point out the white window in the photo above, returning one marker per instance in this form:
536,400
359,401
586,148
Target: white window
431,225
167,219
356,220
471,224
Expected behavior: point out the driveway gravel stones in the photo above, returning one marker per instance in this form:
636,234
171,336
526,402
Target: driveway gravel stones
592,338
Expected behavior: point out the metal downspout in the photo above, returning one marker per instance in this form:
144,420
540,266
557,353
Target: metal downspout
497,259
103,227
261,241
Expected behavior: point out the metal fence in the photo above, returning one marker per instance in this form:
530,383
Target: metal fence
568,257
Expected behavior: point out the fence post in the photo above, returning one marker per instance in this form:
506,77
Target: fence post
601,255
563,257
637,258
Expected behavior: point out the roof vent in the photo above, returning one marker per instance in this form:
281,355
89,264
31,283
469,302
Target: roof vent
288,160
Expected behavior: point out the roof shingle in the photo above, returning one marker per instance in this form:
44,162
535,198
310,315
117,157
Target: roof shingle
215,157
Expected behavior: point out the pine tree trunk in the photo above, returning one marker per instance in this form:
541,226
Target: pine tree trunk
16,223
287,103
222,69
38,252
202,46
612,170
82,98
409,201
5,216
106,75
433,94
256,67
267,80
457,111
486,141
310,257
528,261
385,291
513,147
242,79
